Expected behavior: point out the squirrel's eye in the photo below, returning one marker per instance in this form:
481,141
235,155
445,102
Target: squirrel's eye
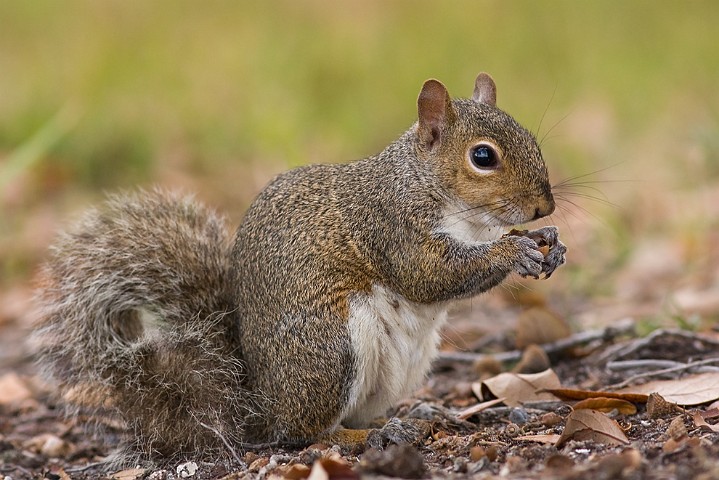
484,157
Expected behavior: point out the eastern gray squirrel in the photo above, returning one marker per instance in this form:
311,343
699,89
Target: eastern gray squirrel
322,312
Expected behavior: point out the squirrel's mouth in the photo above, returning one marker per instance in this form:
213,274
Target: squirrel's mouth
514,216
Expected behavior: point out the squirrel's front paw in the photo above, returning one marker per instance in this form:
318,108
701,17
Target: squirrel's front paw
555,256
411,430
529,258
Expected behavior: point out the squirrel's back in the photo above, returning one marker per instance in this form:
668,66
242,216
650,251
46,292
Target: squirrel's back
135,315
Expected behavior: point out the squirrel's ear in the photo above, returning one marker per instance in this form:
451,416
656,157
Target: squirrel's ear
434,111
485,91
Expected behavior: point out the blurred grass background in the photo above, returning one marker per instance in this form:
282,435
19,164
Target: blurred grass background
216,97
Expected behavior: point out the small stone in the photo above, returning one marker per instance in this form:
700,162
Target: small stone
187,469
550,419
518,416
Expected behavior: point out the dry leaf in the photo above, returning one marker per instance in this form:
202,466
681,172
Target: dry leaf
592,425
686,391
129,474
297,471
469,411
606,405
338,468
572,394
710,413
318,472
518,388
331,468
550,439
701,423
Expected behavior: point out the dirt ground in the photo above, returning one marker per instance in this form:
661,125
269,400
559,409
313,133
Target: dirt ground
36,441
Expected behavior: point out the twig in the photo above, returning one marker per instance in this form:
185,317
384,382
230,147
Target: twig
684,366
468,412
85,467
606,334
622,365
649,339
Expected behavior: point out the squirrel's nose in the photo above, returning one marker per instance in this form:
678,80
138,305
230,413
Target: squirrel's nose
546,208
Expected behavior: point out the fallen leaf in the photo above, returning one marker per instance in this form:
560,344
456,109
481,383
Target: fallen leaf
337,469
297,471
686,391
701,423
318,472
469,411
573,394
549,439
129,474
606,405
710,413
517,388
594,426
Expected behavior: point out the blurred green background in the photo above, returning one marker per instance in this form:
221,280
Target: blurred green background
216,97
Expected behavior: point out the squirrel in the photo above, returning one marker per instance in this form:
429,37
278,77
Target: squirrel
322,312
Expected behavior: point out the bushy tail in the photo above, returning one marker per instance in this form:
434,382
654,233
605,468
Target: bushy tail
136,320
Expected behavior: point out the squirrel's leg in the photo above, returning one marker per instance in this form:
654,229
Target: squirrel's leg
446,268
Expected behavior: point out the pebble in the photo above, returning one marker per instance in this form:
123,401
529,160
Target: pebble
187,469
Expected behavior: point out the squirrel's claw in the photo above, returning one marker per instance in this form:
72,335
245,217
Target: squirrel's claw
556,256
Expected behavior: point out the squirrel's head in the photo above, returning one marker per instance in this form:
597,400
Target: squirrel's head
483,157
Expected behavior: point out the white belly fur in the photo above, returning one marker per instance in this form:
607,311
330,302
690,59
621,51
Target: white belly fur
395,341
